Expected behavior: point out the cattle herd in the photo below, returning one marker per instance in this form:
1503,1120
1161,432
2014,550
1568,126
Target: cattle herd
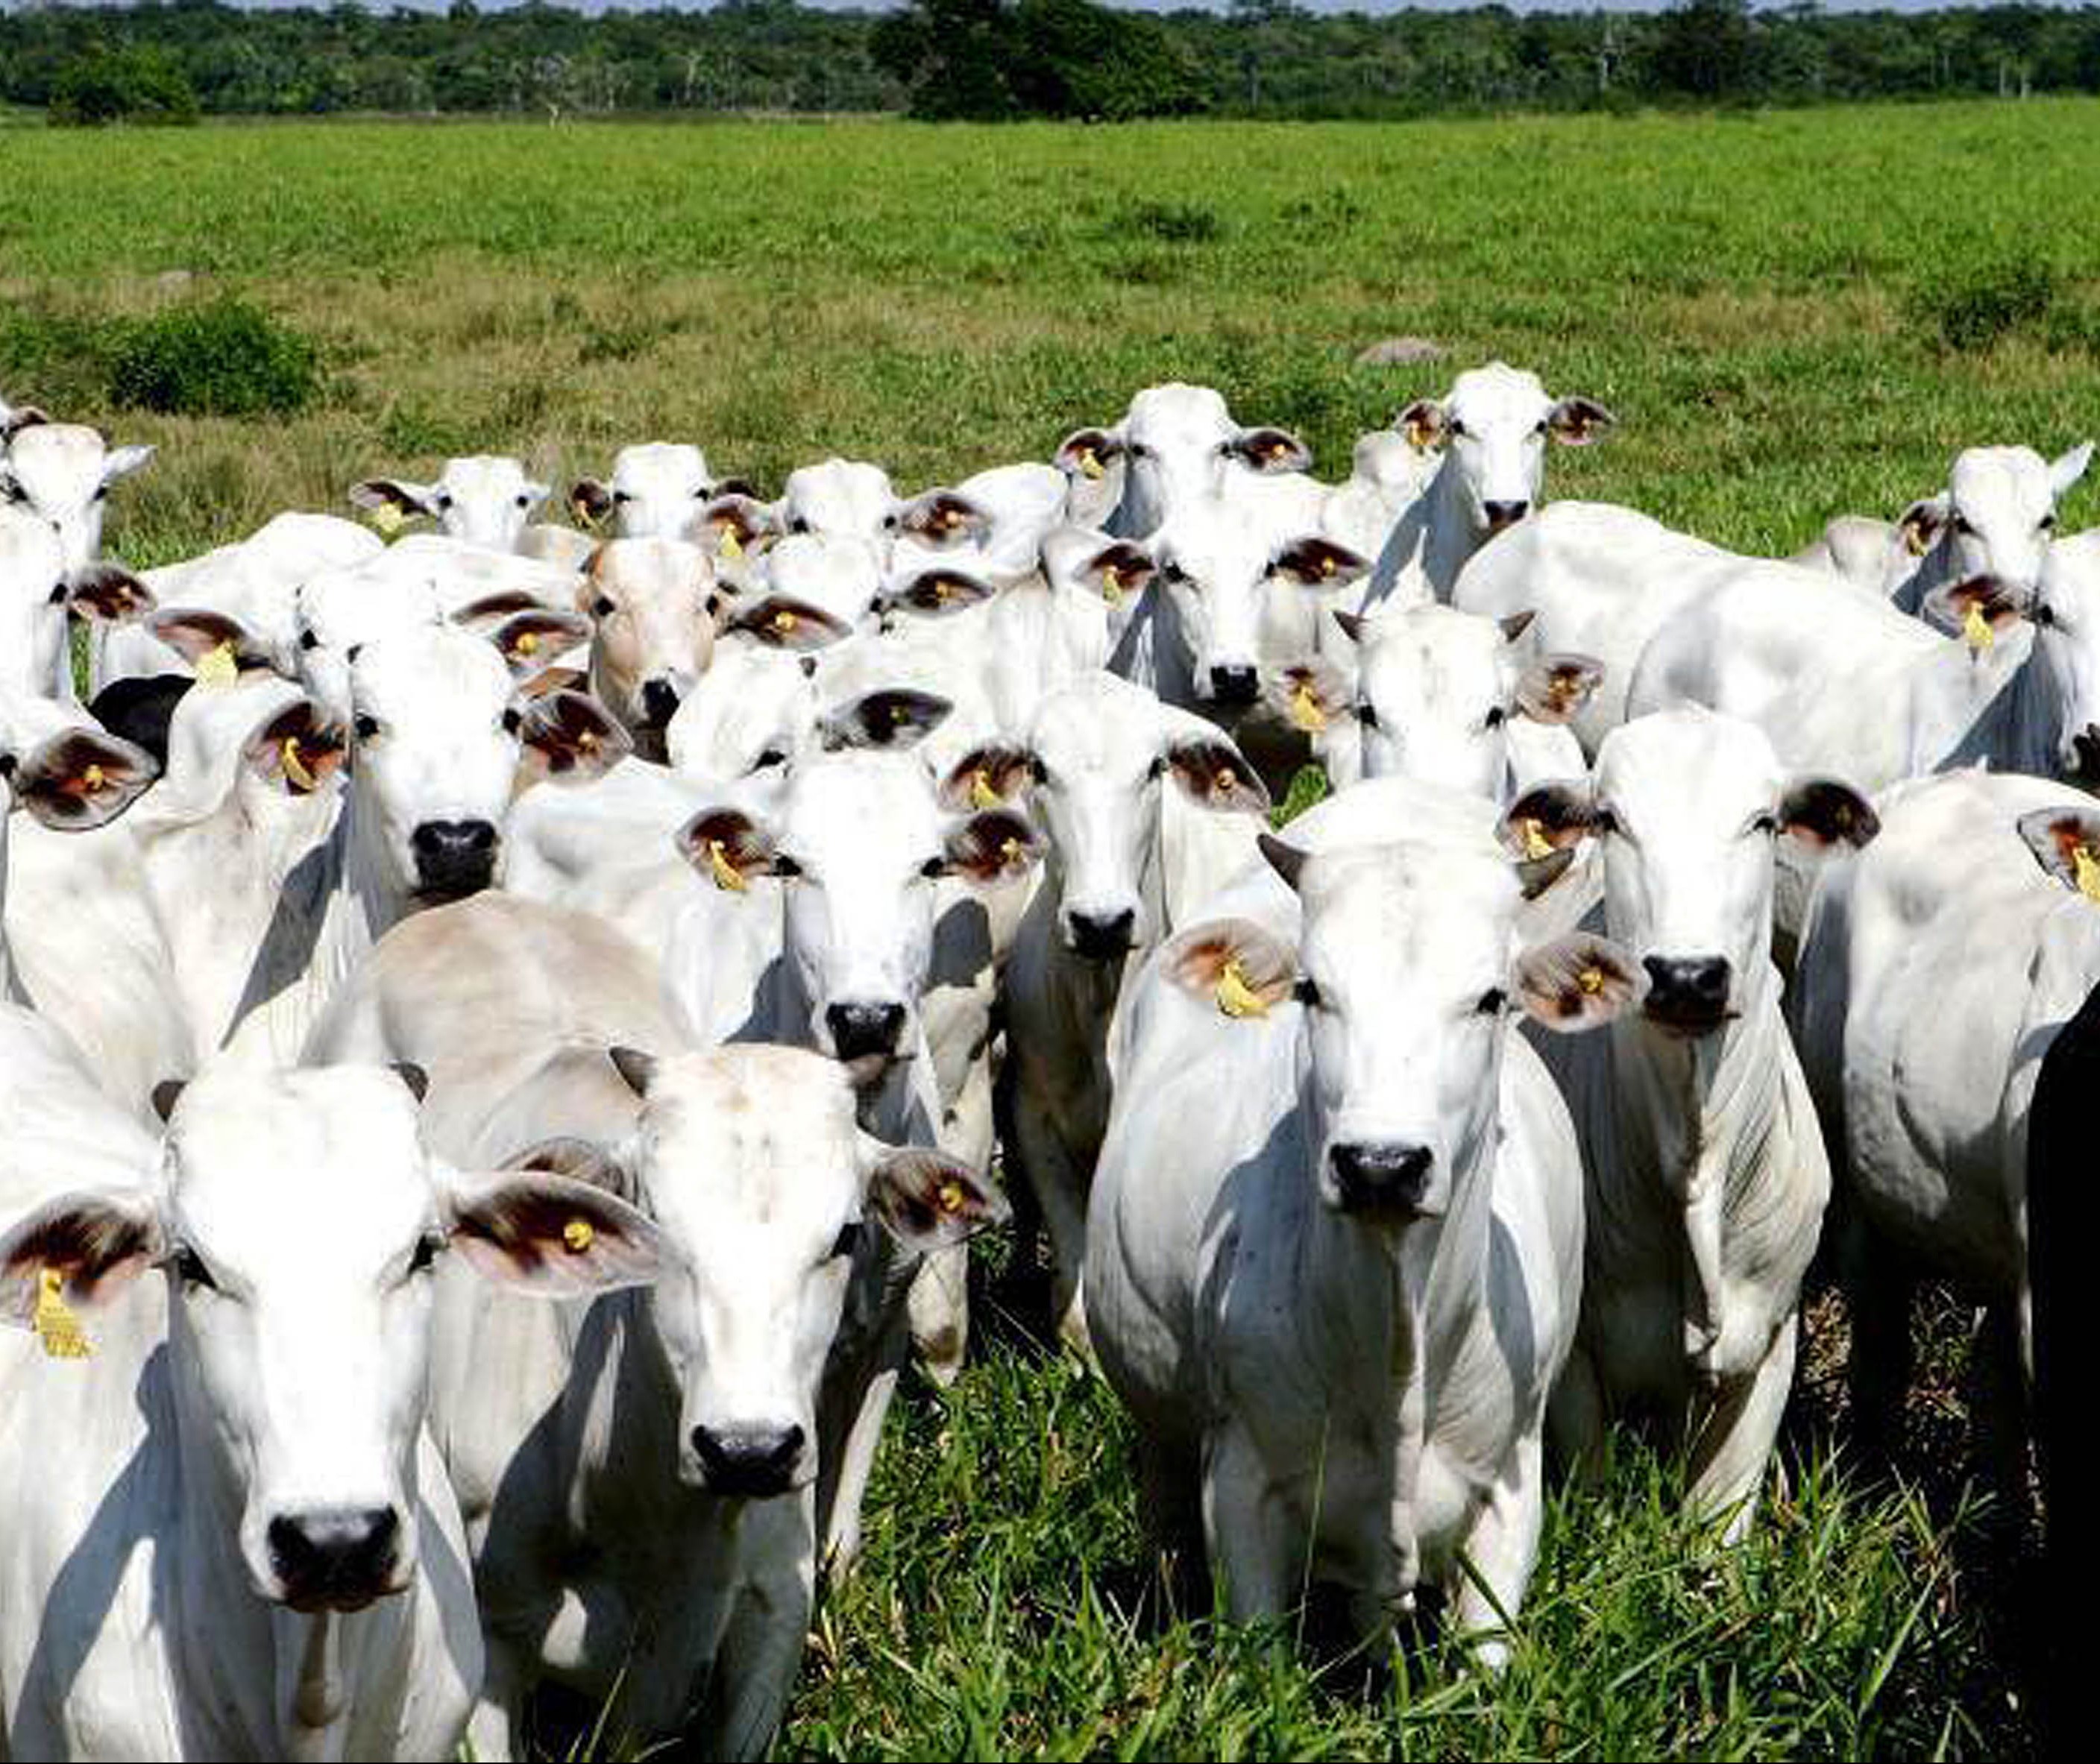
513,1027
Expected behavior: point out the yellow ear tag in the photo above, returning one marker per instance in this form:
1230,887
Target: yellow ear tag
1328,563
1010,850
950,1196
784,621
387,518
1112,586
1306,711
727,876
1591,980
93,777
1536,844
983,795
2085,868
1976,629
579,1235
1090,464
217,667
1227,780
1236,997
295,767
528,643
56,1326
1914,541
731,547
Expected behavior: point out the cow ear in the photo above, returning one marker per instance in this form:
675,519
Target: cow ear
939,593
15,418
991,846
552,1236
1088,453
1549,817
735,487
1232,963
78,1248
1215,774
1821,811
727,848
1308,695
1118,570
80,779
1551,689
580,1160
637,1070
1921,524
570,738
1424,424
2066,842
395,493
2067,469
121,462
297,749
528,640
783,622
944,518
483,615
1575,422
218,646
987,776
1979,610
1355,626
927,1201
738,521
1286,859
107,593
590,500
1577,982
1515,624
1314,561
1270,451
890,718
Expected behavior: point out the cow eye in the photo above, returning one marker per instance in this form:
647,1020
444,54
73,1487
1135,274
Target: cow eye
190,1270
1766,822
888,521
524,501
99,492
425,1256
1173,572
1497,717
2048,522
444,501
602,607
786,868
847,1241
512,721
1492,1001
798,525
623,495
1304,991
1456,427
1965,527
58,595
15,492
308,639
769,757
2044,614
1367,715
367,726
1602,821
1138,450
1541,426
934,869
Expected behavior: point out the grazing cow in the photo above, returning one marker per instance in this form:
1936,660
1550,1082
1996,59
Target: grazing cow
1176,444
61,473
229,1536
1442,695
1335,1252
1707,1176
667,1569
1094,768
1493,426
1996,517
483,499
39,592
1939,969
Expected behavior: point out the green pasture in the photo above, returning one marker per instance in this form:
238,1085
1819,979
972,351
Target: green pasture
1792,315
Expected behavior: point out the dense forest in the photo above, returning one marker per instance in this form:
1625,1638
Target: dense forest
175,60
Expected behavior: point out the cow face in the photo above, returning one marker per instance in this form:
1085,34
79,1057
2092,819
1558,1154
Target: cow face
753,1168
1997,515
481,499
651,603
298,1219
658,490
61,473
440,743
1178,445
1687,805
1494,423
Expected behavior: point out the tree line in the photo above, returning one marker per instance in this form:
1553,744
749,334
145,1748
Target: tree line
173,59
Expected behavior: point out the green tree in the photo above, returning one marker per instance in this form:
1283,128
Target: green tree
133,84
1703,49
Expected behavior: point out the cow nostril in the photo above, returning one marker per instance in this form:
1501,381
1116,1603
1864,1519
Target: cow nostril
660,701
1102,936
1502,514
1381,1178
1235,685
335,1556
749,1460
860,1030
1688,991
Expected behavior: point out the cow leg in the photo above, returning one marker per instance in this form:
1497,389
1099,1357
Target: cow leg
1734,1444
1877,1295
1249,1545
1170,1477
939,1308
492,1730
1039,1160
856,1462
1999,1408
1502,1548
754,1671
1575,1417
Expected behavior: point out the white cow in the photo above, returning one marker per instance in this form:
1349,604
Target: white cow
667,1570
229,1536
1939,968
1493,426
483,499
1334,1256
61,473
1093,769
1387,473
652,605
39,592
658,490
1996,517
1706,1171
1176,443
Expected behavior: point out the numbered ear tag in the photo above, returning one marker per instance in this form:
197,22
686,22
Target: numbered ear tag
1976,630
528,643
1090,464
1591,980
731,546
387,518
1112,587
578,1235
217,668
1306,711
727,876
56,1326
2085,870
983,795
784,621
295,765
1536,844
1236,997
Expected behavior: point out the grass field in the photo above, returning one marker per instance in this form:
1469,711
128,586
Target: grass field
1766,301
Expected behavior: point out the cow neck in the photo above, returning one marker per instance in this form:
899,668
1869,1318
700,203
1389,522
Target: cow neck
1447,541
1695,1116
1391,1316
2006,719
